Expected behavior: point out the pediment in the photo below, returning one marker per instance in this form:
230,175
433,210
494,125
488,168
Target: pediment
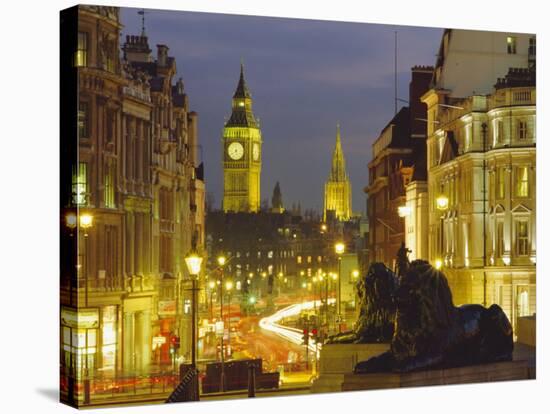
520,208
498,209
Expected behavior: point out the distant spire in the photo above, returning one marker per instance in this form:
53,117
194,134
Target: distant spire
338,171
277,198
142,13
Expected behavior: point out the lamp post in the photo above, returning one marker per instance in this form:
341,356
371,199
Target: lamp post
229,288
86,221
339,248
71,221
193,262
212,286
221,263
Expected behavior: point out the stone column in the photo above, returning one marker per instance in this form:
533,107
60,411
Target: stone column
143,340
128,343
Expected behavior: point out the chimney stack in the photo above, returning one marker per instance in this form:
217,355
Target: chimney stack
162,55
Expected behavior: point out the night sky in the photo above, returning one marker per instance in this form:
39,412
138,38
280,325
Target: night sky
304,77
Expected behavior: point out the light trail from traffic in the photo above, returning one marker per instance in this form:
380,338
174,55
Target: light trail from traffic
294,335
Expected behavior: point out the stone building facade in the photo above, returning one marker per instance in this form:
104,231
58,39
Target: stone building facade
138,176
482,181
397,170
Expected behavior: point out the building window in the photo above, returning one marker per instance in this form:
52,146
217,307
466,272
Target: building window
110,188
499,131
81,55
522,130
299,259
499,245
522,182
522,301
83,119
501,172
532,46
80,184
511,42
522,238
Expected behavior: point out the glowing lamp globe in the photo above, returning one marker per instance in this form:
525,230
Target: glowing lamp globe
86,221
193,262
442,202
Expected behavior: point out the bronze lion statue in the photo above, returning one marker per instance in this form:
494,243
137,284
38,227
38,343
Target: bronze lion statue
375,322
430,332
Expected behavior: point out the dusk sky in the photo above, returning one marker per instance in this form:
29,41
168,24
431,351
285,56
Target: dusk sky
304,76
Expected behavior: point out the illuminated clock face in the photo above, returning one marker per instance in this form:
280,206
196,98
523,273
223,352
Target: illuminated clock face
235,150
256,152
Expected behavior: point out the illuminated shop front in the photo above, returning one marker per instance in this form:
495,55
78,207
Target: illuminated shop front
79,330
89,338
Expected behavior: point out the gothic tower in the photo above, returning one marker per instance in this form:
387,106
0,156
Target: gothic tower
242,150
277,200
338,186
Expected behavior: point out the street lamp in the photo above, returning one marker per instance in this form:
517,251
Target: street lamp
339,248
193,262
442,202
71,220
355,273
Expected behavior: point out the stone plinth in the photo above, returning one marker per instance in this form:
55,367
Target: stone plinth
501,371
337,360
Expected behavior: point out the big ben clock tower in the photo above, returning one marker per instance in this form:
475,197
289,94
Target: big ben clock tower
242,154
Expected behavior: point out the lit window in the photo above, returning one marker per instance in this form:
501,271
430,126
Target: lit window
83,119
522,130
501,171
309,259
499,131
500,239
109,188
80,184
299,259
81,55
522,182
511,45
522,238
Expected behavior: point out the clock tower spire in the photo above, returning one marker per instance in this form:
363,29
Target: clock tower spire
241,144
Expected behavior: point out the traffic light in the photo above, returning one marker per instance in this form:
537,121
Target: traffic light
174,343
305,337
315,335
